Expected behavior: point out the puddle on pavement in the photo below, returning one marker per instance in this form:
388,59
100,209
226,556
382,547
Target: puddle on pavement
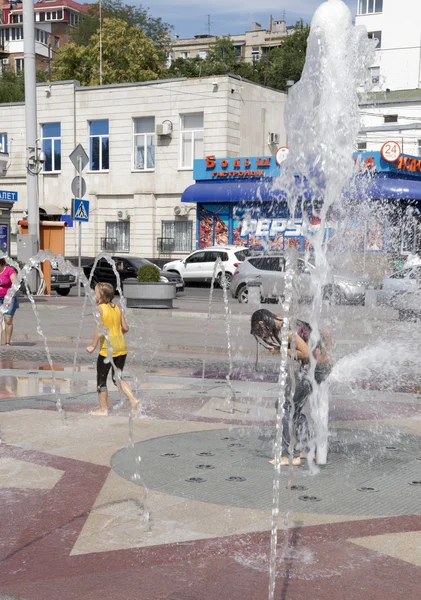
14,387
27,365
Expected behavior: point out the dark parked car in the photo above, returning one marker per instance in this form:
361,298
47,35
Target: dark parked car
127,267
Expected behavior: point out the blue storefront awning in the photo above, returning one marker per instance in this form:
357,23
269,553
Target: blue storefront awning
388,188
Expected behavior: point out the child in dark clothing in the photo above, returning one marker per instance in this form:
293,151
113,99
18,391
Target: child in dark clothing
266,328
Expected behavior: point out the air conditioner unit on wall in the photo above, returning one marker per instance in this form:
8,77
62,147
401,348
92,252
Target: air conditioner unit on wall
4,61
180,211
273,138
164,128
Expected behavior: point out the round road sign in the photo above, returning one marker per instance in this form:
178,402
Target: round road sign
390,151
78,187
281,154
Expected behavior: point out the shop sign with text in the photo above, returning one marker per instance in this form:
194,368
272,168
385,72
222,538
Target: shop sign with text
274,227
254,167
405,164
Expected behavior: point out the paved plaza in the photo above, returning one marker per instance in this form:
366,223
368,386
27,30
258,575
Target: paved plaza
184,512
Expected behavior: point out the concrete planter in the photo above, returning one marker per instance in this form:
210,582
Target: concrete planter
148,295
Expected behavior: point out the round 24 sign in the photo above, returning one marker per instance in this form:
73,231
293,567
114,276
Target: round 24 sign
390,151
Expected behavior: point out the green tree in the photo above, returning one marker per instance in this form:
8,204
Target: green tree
136,16
286,62
12,85
221,60
274,69
127,56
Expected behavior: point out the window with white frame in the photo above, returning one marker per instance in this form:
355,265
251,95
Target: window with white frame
367,7
191,139
99,145
375,75
203,54
119,232
19,65
377,36
51,146
184,54
179,231
144,143
255,53
73,19
4,147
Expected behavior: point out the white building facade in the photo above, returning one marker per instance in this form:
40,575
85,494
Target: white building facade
141,140
396,24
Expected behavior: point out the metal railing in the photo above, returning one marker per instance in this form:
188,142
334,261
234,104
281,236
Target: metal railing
165,244
109,244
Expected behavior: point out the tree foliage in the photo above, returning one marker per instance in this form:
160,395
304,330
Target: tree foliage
279,65
12,85
127,56
221,60
136,16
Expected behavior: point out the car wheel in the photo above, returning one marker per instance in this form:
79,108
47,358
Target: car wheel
332,294
228,279
243,295
63,291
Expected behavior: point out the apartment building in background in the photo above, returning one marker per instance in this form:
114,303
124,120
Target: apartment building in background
251,45
396,24
141,139
54,20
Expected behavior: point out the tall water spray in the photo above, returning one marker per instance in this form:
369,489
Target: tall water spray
322,124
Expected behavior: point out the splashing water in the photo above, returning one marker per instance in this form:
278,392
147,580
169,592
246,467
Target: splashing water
322,124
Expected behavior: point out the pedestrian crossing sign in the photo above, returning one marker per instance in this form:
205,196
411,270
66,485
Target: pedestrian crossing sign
80,210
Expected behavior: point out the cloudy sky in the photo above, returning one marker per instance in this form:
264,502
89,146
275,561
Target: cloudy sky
190,17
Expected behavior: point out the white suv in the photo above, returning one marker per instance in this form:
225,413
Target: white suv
199,266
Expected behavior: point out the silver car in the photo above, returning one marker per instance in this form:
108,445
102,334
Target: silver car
407,280
269,271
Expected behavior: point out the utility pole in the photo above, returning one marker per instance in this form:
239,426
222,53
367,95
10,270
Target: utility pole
32,151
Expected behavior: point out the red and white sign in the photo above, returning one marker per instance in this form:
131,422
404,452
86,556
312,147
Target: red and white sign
281,154
390,151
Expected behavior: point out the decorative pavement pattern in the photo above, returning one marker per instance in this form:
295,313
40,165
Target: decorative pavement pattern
85,517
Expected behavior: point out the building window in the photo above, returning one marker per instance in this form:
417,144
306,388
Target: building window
3,143
119,232
377,36
144,143
42,16
367,7
203,54
255,53
375,75
184,54
99,145
361,146
179,231
56,41
19,65
51,146
390,118
191,139
73,19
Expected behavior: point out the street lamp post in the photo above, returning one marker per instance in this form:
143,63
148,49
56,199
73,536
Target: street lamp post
32,150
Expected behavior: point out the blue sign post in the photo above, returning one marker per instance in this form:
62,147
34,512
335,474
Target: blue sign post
80,210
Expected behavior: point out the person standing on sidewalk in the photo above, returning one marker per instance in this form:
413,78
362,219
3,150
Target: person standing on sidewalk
114,321
7,277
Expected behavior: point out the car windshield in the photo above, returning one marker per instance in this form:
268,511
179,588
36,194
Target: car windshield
242,254
140,262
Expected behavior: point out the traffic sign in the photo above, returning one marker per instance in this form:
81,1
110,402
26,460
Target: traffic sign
281,154
390,151
79,158
78,186
80,210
